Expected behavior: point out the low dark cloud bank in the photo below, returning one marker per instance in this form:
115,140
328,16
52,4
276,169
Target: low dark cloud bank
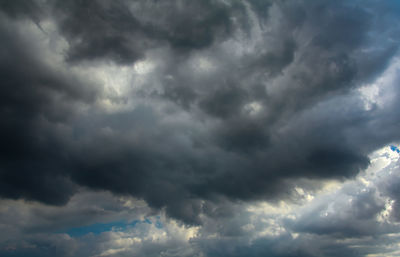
225,102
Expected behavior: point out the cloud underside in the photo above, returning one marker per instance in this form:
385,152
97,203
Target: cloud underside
193,107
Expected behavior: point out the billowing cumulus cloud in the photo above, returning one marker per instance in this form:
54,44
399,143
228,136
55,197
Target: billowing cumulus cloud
167,124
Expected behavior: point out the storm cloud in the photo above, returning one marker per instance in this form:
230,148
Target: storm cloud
198,108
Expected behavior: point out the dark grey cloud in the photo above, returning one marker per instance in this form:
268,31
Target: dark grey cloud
22,9
121,31
35,100
243,100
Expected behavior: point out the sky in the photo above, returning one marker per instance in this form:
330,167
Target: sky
200,128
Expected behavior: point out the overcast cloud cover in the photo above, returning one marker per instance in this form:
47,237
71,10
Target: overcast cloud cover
199,128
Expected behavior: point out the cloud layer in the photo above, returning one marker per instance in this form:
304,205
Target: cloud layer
199,109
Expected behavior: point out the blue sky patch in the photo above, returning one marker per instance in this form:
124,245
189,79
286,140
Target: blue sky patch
98,228
395,149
